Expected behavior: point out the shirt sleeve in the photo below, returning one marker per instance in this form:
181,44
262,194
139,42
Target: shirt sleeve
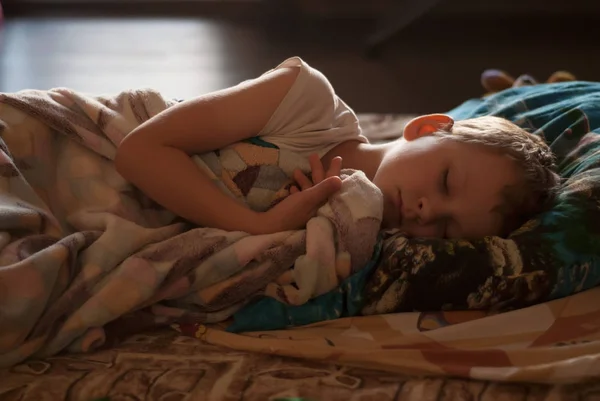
311,118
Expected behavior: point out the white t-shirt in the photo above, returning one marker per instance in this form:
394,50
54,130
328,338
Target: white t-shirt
311,118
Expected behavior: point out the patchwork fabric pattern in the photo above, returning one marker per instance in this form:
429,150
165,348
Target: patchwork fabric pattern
87,258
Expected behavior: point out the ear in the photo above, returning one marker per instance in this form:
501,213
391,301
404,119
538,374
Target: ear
426,125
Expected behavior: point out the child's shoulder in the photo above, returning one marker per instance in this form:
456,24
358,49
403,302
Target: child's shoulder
308,78
311,118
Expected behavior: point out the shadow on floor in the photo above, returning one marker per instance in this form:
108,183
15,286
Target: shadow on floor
430,67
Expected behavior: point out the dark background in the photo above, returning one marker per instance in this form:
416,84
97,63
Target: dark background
185,48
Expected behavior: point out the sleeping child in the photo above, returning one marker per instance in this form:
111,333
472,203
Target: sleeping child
442,178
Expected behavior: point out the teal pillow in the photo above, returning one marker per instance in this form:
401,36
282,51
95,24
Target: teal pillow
554,255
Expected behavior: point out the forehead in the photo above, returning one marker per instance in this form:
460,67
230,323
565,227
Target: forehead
485,175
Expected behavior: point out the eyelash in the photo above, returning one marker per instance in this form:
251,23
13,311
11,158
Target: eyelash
445,181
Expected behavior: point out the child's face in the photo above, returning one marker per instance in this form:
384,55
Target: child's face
443,188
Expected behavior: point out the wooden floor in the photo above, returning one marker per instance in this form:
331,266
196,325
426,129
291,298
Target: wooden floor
430,67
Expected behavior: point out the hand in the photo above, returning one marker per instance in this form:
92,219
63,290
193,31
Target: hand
317,172
298,208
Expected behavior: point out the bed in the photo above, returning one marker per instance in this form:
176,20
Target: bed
164,365
512,319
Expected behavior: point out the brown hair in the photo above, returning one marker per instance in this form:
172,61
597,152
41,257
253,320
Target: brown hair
540,181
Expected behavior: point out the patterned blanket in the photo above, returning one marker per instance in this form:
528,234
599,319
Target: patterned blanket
85,257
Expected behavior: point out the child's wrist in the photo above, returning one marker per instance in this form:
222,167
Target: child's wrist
257,223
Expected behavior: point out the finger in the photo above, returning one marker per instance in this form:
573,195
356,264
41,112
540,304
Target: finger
321,192
335,168
294,189
302,180
316,168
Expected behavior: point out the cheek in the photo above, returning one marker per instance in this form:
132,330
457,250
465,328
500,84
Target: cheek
415,177
411,172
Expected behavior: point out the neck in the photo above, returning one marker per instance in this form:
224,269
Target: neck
358,156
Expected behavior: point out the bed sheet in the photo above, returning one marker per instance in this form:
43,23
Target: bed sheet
166,366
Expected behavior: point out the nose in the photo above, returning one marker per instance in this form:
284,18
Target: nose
424,211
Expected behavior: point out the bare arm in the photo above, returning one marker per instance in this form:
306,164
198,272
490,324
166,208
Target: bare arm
155,157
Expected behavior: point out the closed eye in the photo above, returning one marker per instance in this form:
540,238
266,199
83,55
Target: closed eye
444,183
